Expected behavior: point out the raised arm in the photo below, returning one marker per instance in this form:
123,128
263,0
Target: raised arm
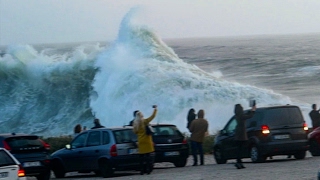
155,110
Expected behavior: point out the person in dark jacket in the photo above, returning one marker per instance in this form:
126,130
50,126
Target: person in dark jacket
191,116
241,137
97,124
315,116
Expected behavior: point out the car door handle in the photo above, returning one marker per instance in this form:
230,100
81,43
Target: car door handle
96,151
79,152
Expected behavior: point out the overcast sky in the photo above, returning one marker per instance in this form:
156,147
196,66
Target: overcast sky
58,21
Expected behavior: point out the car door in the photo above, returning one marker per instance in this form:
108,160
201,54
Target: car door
227,139
92,151
73,157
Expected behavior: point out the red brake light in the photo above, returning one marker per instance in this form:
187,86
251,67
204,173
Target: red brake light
184,141
305,127
45,145
265,129
6,145
21,172
113,151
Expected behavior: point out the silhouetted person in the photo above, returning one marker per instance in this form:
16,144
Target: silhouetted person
241,137
315,116
77,129
191,116
97,124
134,115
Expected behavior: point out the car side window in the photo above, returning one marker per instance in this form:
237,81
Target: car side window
105,138
5,159
79,141
94,138
231,127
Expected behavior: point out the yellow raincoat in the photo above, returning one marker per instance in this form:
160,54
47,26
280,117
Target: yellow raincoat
145,143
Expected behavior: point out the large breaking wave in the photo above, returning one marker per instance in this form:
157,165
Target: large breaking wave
48,92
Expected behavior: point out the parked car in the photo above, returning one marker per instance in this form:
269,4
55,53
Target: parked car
170,145
102,150
279,130
314,142
30,151
10,167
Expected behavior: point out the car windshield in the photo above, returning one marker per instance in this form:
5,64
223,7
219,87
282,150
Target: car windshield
24,142
125,136
5,159
166,131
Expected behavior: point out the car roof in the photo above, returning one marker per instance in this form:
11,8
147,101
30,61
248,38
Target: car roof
274,107
7,135
162,125
111,128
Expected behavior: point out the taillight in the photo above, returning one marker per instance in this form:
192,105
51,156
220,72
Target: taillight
184,141
21,172
265,129
6,145
305,127
45,145
113,151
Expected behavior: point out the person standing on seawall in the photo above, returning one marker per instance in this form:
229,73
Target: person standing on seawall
97,124
315,116
241,137
191,116
145,143
198,129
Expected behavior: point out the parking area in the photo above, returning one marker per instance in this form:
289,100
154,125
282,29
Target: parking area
278,168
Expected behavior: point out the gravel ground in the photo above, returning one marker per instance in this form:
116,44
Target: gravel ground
280,167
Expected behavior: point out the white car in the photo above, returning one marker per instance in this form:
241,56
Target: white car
10,167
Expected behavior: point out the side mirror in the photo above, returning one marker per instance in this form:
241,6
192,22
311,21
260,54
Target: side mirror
68,146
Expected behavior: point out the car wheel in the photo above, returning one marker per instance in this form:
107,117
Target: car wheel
300,155
105,169
180,163
58,169
218,156
44,176
255,155
314,148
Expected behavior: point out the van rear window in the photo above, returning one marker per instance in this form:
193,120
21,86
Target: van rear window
283,116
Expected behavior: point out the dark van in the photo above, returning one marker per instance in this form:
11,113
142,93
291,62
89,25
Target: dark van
279,130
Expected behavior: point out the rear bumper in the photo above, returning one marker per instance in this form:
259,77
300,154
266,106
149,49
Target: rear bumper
281,148
161,155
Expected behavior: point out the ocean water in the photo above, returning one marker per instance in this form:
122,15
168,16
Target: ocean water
48,89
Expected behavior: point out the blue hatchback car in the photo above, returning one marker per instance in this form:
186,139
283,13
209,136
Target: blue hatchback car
102,150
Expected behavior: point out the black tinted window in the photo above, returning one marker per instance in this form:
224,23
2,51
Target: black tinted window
166,130
24,142
253,122
94,138
79,141
5,159
105,138
125,136
283,116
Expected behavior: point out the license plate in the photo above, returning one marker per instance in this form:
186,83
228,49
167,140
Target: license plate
173,153
133,151
31,164
4,174
283,136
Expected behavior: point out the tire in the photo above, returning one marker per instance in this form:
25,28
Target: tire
44,176
218,156
58,170
180,163
105,169
300,155
255,155
314,148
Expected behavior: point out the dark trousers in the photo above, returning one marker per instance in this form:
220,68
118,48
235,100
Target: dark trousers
240,150
196,148
146,163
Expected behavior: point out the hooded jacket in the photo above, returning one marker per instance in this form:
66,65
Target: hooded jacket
241,132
